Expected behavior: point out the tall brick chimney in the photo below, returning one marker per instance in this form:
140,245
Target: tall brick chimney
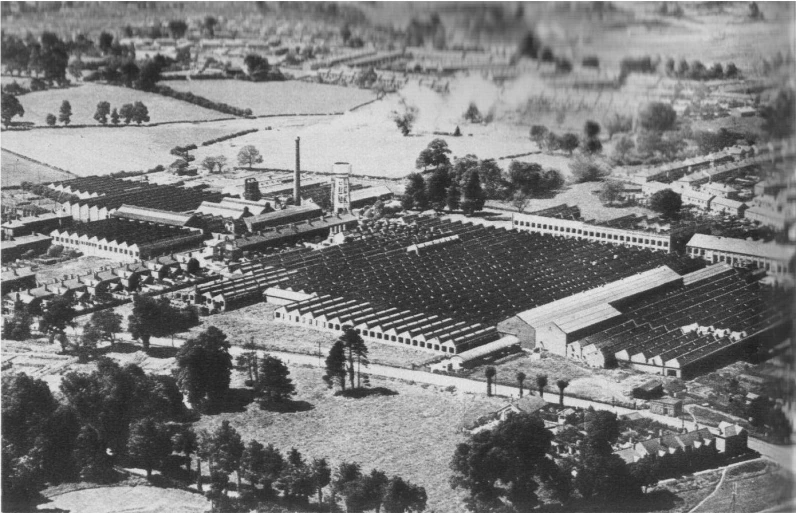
297,175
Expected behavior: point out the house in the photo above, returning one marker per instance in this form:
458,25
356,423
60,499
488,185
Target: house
649,390
527,404
667,406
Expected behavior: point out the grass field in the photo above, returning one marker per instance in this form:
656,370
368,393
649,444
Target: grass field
271,98
93,151
140,499
412,434
15,170
254,323
84,99
755,490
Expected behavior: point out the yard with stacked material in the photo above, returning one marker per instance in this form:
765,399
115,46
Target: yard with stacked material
412,434
84,98
277,98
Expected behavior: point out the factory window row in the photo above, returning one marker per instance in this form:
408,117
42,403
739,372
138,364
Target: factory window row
597,234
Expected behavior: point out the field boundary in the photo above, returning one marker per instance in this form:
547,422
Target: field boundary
161,123
54,168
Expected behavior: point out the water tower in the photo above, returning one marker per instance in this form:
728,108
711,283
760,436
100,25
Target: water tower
341,191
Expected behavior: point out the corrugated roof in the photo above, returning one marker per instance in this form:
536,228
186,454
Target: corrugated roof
769,250
705,273
152,215
578,320
589,299
370,193
497,345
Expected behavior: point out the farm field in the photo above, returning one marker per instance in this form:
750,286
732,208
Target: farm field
412,434
15,170
277,98
369,140
101,150
141,499
254,323
84,99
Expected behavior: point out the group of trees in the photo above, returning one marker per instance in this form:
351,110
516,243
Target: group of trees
345,360
156,317
550,141
48,56
136,112
508,467
10,107
468,182
249,156
667,203
97,423
765,415
268,376
698,71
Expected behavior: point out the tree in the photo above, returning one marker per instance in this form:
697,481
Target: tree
256,65
454,197
273,384
204,367
645,471
249,156
437,187
754,11
184,440
731,71
666,202
657,117
591,129
666,144
114,116
541,383
415,196
624,145
108,323
296,479
489,372
520,200
474,197
503,464
403,497
321,476
611,191
18,326
520,380
147,319
103,109
779,116
126,112
87,343
591,142
227,449
209,25
569,142
10,108
57,315
529,46
140,113
561,384
588,168
51,119
356,348
405,120
552,142
335,366
105,42
435,154
91,457
129,73
473,115
148,444
539,134
65,113
177,28
150,73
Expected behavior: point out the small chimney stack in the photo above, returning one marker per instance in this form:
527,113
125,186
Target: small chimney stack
297,175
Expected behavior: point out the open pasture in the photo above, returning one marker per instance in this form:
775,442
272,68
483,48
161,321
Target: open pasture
84,99
412,434
102,150
141,499
277,98
16,170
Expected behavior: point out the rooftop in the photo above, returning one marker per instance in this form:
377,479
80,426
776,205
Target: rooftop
769,250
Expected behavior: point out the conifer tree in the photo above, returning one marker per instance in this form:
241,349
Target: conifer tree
335,365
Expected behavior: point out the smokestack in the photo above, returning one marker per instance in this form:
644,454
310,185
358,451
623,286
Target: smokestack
297,175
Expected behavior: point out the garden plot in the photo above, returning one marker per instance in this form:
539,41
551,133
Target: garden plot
277,98
84,99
